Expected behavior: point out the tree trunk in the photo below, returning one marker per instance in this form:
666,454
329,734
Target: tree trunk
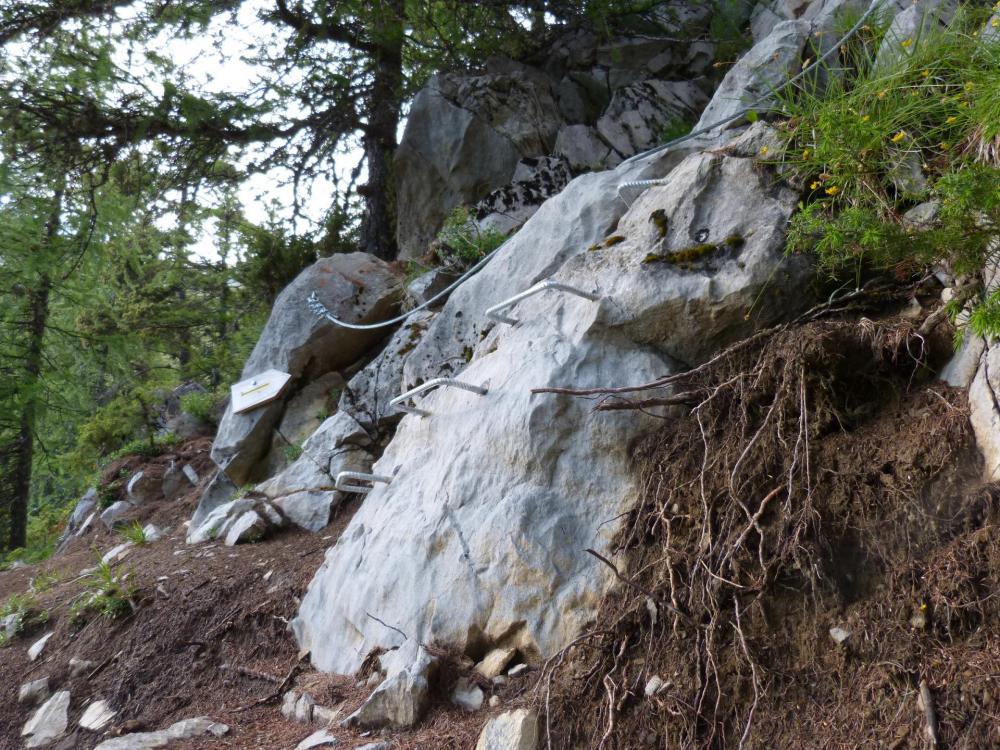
38,315
378,229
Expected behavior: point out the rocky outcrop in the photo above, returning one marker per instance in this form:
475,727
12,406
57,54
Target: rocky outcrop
984,410
366,397
355,287
304,492
534,181
452,552
910,25
588,100
640,114
464,137
768,64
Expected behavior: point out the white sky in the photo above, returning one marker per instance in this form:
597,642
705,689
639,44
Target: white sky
214,60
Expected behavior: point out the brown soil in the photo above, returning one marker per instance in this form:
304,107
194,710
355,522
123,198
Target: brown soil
208,637
821,480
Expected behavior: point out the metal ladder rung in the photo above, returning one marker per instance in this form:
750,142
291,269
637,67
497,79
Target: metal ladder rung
344,481
494,312
430,384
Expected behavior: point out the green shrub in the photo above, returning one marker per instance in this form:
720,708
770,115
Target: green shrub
105,594
292,452
134,533
935,109
200,405
462,242
27,611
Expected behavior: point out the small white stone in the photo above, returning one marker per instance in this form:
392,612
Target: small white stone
322,737
654,686
839,634
516,670
49,722
37,646
190,473
116,553
79,667
468,695
324,715
152,532
97,716
304,709
34,692
494,701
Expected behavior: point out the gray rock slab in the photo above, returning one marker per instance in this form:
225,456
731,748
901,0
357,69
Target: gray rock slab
181,730
513,730
49,722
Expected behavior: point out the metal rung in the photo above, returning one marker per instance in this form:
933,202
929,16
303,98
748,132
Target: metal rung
344,483
494,312
429,385
642,185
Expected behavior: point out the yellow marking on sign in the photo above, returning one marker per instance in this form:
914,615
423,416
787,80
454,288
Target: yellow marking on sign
254,390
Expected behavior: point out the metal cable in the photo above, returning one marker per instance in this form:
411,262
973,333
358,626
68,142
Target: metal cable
635,183
764,99
400,318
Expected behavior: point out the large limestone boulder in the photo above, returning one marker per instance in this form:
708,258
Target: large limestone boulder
450,552
464,137
768,64
355,287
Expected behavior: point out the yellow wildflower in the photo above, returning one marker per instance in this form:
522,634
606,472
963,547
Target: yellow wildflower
764,150
815,184
806,153
969,85
906,43
866,118
950,120
943,146
832,190
926,73
899,136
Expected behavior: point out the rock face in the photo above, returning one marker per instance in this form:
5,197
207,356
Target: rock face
514,730
588,100
180,730
49,722
767,65
452,153
355,287
640,114
915,21
535,180
304,492
477,557
985,410
366,397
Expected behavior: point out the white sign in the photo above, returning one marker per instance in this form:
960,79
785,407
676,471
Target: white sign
258,390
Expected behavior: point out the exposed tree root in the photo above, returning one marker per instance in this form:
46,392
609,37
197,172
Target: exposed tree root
814,482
